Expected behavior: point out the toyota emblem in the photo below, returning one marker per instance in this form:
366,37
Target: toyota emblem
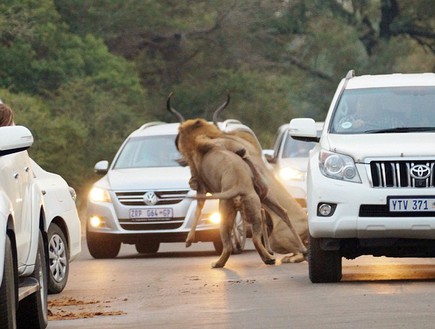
150,198
420,171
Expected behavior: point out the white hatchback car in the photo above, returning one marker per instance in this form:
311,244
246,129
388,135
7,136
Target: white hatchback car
289,160
63,222
145,199
371,177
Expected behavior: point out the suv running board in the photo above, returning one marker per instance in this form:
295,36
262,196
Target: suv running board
27,287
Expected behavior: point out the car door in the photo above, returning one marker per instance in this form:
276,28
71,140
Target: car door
15,180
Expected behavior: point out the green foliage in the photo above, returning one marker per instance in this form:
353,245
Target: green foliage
83,74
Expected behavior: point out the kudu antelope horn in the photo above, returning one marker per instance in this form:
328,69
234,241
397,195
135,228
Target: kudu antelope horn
219,110
172,110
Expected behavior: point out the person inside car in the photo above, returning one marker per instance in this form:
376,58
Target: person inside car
368,115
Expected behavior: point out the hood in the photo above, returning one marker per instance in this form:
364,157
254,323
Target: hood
365,146
146,178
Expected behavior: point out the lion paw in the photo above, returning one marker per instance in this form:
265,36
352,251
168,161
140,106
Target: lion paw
217,265
270,261
293,258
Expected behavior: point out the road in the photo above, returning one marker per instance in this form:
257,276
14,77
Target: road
177,289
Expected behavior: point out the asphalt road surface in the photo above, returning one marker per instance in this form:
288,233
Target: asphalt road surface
176,288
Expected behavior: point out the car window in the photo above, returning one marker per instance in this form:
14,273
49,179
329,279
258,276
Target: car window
148,151
296,149
373,110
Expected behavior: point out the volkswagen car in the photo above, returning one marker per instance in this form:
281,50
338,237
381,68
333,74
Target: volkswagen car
144,197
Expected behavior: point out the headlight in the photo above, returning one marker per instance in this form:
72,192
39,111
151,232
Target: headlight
215,218
291,174
338,166
99,195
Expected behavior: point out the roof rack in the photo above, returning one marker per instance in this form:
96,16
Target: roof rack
229,122
150,124
350,74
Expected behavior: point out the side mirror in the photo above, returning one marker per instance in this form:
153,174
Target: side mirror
269,155
303,129
14,139
101,167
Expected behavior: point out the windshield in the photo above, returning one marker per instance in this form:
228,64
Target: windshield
147,152
383,110
296,149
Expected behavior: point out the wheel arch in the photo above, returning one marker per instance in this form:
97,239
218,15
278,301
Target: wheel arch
61,223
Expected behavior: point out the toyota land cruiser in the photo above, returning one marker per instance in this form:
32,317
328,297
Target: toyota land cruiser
371,177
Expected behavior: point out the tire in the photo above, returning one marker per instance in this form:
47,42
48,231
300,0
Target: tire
239,234
323,265
102,246
147,247
33,310
8,290
58,260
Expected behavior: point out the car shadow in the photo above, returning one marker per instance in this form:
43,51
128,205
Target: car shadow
389,272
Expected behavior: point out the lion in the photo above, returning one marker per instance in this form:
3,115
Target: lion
282,240
225,173
205,144
196,145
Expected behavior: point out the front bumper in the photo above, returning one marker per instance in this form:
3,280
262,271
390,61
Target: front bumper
361,211
117,224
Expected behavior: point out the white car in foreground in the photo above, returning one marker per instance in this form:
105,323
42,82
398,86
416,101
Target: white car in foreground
63,223
371,177
23,269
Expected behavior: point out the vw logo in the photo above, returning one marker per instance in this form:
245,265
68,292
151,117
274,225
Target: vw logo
420,171
150,198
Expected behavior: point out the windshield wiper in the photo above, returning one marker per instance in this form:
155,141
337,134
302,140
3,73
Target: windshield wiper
400,130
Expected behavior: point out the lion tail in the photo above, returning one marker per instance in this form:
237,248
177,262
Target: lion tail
229,194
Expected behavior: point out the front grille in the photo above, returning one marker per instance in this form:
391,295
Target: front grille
163,197
141,226
397,174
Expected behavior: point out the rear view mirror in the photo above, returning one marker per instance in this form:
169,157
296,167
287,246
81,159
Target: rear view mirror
303,129
14,139
101,167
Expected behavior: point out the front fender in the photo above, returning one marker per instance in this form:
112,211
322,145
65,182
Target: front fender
38,223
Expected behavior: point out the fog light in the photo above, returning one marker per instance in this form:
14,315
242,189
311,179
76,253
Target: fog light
215,218
349,172
325,209
96,221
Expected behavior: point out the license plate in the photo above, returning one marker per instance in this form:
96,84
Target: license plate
406,204
150,214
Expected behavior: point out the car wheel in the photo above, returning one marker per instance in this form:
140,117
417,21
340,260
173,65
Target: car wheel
147,247
8,290
34,308
102,245
58,259
323,265
238,236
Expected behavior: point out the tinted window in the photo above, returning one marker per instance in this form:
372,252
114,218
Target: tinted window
375,109
149,151
296,149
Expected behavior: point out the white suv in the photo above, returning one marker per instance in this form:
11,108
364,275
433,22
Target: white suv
23,247
145,199
371,177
